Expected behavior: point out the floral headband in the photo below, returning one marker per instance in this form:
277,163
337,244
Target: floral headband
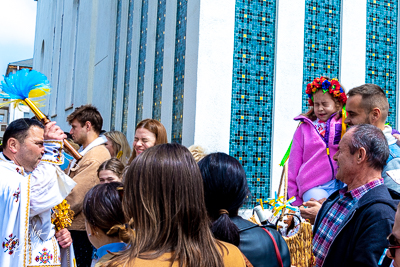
331,86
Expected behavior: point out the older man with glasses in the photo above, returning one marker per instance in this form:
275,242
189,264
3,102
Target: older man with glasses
352,225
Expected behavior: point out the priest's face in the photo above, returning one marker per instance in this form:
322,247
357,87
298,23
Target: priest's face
30,151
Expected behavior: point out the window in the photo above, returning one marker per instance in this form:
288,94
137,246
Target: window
3,128
27,115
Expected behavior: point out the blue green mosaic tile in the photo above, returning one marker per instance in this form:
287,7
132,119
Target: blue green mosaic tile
159,60
179,72
115,72
381,50
321,42
127,69
142,61
253,93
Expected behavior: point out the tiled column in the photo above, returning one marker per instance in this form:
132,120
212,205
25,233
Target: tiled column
381,51
253,92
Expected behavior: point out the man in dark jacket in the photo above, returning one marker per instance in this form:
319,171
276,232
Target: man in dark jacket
367,104
352,225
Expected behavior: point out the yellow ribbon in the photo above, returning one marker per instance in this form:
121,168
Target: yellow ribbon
344,116
261,203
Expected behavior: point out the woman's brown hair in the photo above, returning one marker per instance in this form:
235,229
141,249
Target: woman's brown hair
164,198
114,165
155,127
102,207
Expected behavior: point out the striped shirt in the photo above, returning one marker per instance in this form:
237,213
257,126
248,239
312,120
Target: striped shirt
330,224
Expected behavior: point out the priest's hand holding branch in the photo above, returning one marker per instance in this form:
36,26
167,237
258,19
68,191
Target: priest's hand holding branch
53,132
64,238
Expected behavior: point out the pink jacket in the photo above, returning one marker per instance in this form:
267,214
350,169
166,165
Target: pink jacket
309,164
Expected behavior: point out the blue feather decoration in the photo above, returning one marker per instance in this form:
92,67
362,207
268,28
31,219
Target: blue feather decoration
23,84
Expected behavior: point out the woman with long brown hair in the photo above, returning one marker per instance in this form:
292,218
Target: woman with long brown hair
164,198
148,133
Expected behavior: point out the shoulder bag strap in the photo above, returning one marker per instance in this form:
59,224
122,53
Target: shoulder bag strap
278,254
246,260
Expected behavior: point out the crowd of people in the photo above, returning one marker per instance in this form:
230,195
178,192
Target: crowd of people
161,204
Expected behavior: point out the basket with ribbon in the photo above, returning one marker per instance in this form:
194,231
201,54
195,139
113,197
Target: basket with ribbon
299,243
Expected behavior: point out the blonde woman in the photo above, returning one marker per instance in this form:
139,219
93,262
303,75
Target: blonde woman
118,146
198,152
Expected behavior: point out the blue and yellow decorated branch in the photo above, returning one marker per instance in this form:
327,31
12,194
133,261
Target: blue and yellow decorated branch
279,204
30,87
25,84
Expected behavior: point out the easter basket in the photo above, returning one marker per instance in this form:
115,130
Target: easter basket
300,244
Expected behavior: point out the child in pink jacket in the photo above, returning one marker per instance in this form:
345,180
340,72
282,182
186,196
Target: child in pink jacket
312,170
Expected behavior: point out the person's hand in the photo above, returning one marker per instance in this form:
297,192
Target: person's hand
64,238
310,209
53,132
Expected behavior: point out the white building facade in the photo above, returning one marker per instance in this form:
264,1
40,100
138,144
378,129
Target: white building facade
227,75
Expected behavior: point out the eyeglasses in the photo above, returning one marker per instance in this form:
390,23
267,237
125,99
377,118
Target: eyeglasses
393,244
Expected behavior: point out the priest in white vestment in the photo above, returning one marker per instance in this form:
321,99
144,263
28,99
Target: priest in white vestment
31,184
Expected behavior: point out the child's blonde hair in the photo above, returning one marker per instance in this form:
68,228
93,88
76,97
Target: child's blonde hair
198,152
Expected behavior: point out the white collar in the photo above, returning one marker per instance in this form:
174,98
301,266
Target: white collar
387,131
17,168
96,142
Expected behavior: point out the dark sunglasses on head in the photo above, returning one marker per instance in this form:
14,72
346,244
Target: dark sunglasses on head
393,244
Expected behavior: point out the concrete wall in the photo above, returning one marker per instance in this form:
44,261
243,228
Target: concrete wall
352,70
74,48
288,80
210,34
